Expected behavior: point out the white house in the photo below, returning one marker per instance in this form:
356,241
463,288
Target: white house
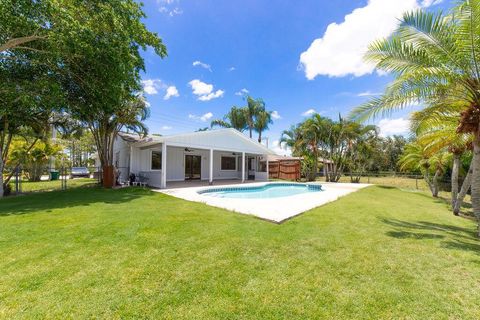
205,155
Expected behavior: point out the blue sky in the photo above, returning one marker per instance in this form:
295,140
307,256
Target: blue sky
297,56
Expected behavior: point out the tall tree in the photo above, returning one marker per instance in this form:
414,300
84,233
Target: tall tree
262,121
437,130
434,55
253,108
235,118
29,93
101,72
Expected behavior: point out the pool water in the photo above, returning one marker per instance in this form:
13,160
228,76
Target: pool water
268,191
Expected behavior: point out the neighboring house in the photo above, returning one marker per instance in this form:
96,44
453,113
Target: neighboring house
327,165
206,155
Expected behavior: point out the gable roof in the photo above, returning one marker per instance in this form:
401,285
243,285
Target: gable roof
221,139
129,137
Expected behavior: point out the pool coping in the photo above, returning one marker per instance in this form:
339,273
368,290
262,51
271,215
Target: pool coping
275,210
257,186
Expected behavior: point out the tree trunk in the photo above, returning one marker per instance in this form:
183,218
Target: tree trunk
463,191
108,173
1,174
259,136
455,170
435,184
476,177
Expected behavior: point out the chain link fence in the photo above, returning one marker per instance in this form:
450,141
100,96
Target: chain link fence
410,181
43,179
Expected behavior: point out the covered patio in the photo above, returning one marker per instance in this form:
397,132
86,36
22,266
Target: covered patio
202,158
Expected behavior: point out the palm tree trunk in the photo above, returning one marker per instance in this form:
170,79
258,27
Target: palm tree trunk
463,191
260,136
1,175
455,170
435,184
428,181
476,177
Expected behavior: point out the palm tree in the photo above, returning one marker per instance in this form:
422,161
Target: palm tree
262,120
415,157
434,55
131,116
290,138
235,118
361,142
253,108
437,130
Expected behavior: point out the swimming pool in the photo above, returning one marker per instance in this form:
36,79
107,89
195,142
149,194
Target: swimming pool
267,191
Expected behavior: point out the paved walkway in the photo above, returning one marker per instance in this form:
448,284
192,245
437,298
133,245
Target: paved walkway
273,209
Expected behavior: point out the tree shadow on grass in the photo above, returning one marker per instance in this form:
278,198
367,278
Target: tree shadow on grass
413,235
49,201
462,245
382,186
425,230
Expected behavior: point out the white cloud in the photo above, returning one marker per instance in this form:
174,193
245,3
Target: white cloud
154,86
171,92
428,3
389,127
309,112
339,52
204,91
280,150
151,86
169,7
368,94
242,92
204,118
213,95
207,116
167,128
203,65
232,69
276,115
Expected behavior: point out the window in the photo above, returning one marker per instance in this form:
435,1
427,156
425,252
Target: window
228,163
156,160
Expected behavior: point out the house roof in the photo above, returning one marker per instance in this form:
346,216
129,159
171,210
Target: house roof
129,137
221,139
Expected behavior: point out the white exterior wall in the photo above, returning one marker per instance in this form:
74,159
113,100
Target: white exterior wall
121,157
141,164
217,165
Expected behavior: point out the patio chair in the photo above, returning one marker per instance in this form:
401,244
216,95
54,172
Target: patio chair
141,180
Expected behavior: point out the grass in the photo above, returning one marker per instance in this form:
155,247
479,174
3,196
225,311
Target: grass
409,184
379,253
51,185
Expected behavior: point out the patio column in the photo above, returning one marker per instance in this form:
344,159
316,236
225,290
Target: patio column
163,178
210,172
243,166
268,171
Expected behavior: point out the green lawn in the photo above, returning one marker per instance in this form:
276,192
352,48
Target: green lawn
131,253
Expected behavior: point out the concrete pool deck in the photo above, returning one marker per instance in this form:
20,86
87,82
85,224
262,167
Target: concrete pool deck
273,209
